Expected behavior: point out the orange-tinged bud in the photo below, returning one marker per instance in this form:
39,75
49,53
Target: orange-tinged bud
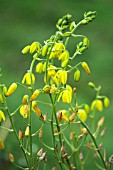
11,89
25,99
1,144
46,89
86,67
38,112
77,75
35,94
21,134
106,102
11,157
72,117
26,49
39,67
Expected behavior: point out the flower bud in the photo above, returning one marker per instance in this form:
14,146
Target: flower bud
72,26
46,89
25,99
92,85
72,117
40,133
39,67
87,108
106,102
5,90
86,42
67,34
2,116
2,98
11,157
77,75
28,78
26,49
24,110
86,67
62,76
44,50
39,153
21,134
11,89
35,46
97,104
101,121
82,114
1,144
64,63
72,135
35,94
27,131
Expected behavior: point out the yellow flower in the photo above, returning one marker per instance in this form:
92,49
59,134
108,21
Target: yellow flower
24,110
2,116
35,46
97,104
26,49
35,94
39,67
66,96
11,89
44,50
51,70
82,114
64,56
1,144
62,76
57,50
86,67
106,102
77,75
28,78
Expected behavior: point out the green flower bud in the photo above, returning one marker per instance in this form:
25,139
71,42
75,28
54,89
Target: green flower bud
67,34
77,75
46,89
26,49
2,98
4,90
86,42
92,85
72,26
59,22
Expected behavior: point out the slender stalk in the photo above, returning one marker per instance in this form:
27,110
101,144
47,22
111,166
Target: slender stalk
13,127
95,143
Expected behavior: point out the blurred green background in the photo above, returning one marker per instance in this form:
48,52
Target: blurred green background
22,22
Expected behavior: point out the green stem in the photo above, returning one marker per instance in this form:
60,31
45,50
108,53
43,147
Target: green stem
94,141
13,127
